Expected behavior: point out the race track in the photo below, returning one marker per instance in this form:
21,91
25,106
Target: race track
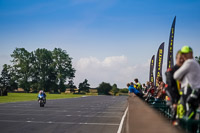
92,114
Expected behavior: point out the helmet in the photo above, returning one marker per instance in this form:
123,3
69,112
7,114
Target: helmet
186,49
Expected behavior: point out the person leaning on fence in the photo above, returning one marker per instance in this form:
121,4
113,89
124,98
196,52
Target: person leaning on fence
144,88
160,89
138,85
147,85
172,86
189,75
132,90
150,91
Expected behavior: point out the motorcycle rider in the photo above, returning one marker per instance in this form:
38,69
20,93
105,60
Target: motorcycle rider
42,94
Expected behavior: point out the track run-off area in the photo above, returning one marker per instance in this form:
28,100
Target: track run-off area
91,114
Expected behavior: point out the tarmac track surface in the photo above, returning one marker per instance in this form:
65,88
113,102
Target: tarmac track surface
92,114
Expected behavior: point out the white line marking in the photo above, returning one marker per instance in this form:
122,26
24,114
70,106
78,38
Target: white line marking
60,115
68,123
107,112
55,109
122,121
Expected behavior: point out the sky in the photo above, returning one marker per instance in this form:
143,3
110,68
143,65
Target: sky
109,40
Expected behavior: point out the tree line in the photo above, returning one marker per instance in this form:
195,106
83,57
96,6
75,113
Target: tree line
103,88
46,70
41,69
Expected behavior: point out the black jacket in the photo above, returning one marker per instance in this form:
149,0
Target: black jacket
171,87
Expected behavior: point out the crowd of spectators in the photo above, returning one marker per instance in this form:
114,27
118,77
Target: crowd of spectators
181,91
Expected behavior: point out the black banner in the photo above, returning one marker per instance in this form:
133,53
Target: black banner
159,61
151,78
170,60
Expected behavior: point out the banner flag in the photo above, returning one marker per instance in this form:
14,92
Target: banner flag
151,78
170,60
159,61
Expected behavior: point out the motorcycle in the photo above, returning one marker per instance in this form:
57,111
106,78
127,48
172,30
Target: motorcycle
41,101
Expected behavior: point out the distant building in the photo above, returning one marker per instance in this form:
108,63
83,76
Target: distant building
93,90
19,90
71,90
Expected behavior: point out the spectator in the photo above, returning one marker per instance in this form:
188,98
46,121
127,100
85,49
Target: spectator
133,90
173,86
159,95
189,75
148,85
144,88
138,85
150,91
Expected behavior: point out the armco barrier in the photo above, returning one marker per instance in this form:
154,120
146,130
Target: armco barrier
188,125
141,118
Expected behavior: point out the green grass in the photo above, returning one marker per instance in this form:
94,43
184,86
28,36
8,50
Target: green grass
17,97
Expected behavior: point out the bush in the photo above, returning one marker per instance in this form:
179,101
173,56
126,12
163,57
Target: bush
104,88
125,90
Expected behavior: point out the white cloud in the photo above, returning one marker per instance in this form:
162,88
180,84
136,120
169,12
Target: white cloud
115,69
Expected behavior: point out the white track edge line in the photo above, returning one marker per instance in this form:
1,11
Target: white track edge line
122,121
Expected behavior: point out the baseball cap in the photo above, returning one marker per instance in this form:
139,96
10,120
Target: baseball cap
186,49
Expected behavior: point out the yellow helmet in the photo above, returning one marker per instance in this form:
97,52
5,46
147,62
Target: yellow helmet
186,49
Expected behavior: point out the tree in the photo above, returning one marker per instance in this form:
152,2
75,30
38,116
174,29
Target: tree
63,67
71,85
22,65
197,59
114,90
84,86
53,69
44,70
104,88
7,83
5,80
35,78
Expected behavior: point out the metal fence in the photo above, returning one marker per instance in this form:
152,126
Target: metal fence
188,125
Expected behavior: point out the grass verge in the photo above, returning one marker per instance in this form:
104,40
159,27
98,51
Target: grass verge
17,97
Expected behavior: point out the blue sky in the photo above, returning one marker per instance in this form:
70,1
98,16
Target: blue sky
109,40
